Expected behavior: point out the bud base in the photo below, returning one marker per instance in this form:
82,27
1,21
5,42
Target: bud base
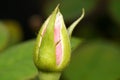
49,75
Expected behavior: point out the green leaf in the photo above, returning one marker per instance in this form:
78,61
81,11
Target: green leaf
4,36
16,62
15,31
97,60
75,42
10,33
114,9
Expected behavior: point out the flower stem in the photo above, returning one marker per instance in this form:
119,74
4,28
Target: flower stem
49,75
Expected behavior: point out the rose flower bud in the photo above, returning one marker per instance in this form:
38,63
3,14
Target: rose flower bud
53,49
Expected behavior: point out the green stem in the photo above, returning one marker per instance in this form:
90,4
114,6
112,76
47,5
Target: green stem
49,75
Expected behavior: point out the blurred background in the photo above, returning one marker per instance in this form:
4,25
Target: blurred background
102,18
20,20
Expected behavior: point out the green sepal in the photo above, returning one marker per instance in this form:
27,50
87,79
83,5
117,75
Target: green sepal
44,56
74,24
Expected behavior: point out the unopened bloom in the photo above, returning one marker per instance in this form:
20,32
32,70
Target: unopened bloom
53,49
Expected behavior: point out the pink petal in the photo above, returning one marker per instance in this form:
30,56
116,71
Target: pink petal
57,29
57,39
58,53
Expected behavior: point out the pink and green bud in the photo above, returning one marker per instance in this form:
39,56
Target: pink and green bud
53,49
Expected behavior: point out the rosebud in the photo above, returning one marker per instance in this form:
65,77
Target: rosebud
53,49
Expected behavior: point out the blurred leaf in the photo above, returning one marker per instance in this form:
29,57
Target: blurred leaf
10,33
71,9
114,8
97,60
4,36
16,62
15,31
75,42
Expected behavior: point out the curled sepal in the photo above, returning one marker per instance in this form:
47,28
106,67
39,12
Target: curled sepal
74,24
